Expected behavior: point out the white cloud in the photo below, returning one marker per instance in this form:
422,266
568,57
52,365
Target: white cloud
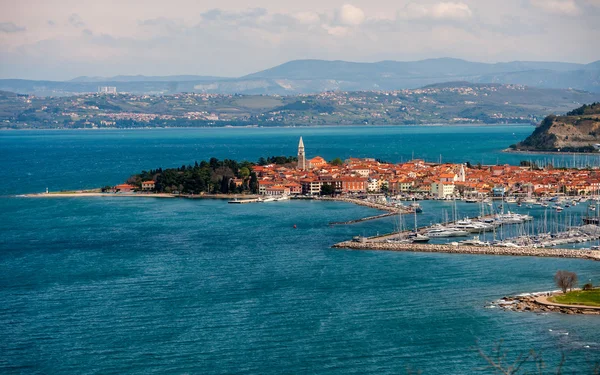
351,16
438,11
455,11
338,31
307,18
565,7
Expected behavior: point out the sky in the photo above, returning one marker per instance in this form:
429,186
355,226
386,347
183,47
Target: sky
63,39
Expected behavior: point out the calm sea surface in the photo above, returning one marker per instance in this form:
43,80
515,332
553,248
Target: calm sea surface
126,285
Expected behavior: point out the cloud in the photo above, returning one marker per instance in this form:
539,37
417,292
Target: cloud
9,27
350,15
307,18
563,7
338,31
76,21
438,11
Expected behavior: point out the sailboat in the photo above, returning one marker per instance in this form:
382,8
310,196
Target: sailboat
415,237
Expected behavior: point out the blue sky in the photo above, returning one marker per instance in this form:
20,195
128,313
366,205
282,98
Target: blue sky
50,39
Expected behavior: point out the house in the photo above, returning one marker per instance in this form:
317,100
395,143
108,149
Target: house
277,190
354,185
124,188
148,185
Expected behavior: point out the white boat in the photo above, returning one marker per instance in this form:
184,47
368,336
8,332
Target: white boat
269,199
418,238
441,232
472,226
282,198
475,241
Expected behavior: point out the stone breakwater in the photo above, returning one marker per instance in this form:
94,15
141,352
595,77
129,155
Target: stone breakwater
361,202
533,303
474,250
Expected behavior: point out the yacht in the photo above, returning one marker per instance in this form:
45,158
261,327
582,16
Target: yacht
441,231
472,226
418,238
269,199
283,198
475,241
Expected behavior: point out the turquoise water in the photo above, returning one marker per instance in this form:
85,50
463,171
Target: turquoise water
126,285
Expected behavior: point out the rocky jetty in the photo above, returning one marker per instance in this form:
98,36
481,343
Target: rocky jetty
532,303
474,250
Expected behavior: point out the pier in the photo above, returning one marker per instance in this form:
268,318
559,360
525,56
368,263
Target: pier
363,219
472,250
243,201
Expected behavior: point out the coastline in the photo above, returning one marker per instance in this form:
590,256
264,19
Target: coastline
538,303
449,124
523,152
98,193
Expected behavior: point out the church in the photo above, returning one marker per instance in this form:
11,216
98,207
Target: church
316,162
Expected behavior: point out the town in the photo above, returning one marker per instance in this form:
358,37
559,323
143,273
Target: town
316,176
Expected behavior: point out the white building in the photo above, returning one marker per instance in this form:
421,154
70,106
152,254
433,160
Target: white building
442,189
107,90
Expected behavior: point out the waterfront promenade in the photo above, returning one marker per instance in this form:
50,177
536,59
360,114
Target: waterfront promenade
472,250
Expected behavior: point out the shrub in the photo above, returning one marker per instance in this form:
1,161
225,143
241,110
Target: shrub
588,286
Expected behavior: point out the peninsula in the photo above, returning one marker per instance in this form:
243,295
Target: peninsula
577,131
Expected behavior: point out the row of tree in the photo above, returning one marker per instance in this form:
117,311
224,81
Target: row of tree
213,176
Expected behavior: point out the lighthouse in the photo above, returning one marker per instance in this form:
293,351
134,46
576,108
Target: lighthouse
301,156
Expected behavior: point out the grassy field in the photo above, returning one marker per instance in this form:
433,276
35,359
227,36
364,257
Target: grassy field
579,297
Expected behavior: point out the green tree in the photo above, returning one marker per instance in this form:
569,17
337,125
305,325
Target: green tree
337,162
253,183
327,189
244,172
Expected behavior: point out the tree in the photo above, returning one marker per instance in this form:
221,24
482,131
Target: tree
337,162
253,183
244,172
565,280
327,189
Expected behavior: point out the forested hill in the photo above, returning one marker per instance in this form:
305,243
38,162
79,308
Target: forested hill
448,103
578,130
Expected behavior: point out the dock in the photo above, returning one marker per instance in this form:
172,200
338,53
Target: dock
243,201
471,250
363,219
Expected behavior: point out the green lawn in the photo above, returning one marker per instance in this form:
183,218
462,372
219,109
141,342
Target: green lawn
579,297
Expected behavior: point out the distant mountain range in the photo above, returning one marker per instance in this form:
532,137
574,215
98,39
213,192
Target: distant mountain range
312,76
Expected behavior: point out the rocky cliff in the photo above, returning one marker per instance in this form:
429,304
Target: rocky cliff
577,131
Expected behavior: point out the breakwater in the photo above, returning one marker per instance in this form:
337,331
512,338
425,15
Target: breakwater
363,219
473,250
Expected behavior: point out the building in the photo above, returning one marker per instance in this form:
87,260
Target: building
316,162
107,90
301,156
277,190
124,188
148,185
311,186
441,189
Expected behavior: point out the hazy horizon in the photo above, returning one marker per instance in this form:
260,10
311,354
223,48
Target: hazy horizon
61,40
269,67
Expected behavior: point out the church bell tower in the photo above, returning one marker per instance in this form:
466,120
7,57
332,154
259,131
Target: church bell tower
301,156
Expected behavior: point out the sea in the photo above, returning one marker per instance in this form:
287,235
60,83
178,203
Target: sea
176,286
